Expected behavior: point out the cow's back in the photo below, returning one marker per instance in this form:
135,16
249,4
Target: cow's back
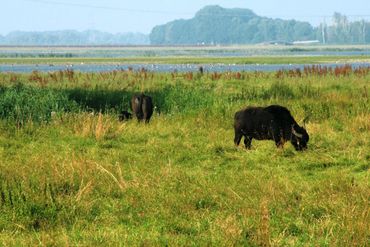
252,119
281,114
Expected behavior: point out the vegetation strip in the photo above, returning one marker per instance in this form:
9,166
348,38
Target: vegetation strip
192,60
72,174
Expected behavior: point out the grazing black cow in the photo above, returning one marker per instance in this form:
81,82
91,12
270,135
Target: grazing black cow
124,115
142,107
269,123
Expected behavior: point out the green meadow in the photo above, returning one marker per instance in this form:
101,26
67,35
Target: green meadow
71,174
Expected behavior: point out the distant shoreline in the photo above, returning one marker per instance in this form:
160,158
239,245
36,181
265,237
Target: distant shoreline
229,54
271,46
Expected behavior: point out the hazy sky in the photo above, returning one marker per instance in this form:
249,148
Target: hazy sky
141,15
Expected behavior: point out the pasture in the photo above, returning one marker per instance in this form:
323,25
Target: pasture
81,177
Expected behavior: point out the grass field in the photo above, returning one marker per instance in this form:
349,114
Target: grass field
77,178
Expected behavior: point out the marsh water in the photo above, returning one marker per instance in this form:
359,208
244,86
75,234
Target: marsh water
173,51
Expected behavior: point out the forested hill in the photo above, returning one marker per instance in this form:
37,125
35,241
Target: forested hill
217,25
210,25
72,37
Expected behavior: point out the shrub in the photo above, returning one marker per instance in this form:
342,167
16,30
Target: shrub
22,103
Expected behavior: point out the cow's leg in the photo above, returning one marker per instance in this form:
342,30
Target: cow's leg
238,137
146,119
278,137
279,144
140,117
247,142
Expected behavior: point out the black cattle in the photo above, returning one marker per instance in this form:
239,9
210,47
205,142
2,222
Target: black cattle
147,108
142,107
269,123
124,115
136,102
201,70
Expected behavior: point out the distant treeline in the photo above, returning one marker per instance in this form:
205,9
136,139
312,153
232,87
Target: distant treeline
211,25
217,25
71,37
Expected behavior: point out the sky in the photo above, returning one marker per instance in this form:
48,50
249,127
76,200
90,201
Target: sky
120,16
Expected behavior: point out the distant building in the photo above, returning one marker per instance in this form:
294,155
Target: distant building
306,42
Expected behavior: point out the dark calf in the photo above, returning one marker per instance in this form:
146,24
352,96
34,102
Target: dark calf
124,115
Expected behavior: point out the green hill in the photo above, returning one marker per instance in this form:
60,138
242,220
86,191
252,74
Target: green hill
217,25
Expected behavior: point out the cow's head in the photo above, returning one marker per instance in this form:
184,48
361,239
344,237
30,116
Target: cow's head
299,137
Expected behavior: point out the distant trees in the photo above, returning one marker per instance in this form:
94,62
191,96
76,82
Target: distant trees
343,31
210,25
71,37
217,25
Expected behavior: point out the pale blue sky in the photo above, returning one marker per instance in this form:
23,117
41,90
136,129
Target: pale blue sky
141,15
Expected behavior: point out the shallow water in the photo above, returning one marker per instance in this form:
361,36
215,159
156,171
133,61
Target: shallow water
27,68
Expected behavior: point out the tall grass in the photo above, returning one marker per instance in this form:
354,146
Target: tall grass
81,177
22,103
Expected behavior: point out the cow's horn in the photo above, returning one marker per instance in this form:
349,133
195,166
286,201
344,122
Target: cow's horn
296,134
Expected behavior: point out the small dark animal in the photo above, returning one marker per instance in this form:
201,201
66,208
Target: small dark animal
269,123
201,70
142,107
124,115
